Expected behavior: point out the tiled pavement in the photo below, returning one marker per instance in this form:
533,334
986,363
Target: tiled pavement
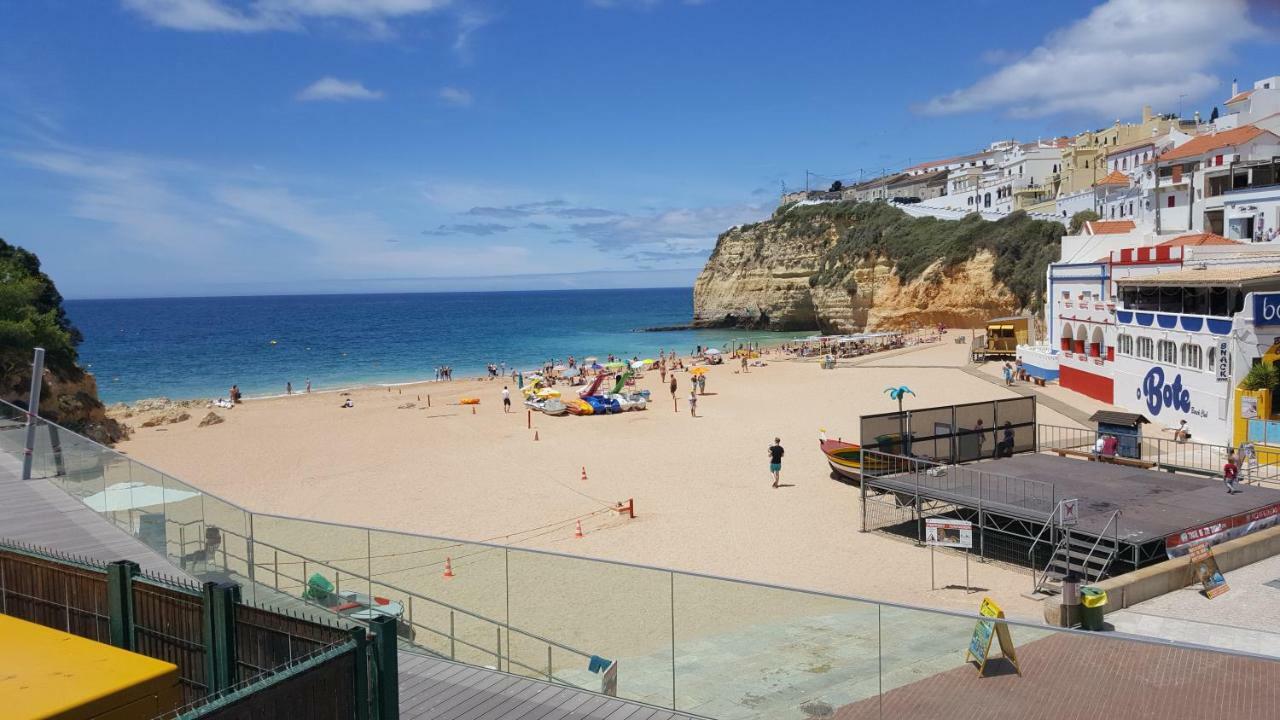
1075,677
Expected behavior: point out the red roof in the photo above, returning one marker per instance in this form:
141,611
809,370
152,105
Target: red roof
1202,144
1198,239
1109,227
1115,177
1239,96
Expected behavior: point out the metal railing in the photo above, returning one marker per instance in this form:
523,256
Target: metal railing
1161,453
684,640
1051,525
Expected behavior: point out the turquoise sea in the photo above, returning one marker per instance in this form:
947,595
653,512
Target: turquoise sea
199,347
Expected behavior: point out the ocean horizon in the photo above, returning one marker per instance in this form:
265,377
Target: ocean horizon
197,347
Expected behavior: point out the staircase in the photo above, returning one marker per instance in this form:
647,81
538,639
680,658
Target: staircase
1088,557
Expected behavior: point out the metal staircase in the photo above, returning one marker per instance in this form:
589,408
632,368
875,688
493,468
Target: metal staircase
1089,557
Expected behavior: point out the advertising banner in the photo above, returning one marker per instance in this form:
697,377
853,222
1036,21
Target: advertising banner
1220,531
945,532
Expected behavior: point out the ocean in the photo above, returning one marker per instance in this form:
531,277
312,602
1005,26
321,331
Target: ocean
198,347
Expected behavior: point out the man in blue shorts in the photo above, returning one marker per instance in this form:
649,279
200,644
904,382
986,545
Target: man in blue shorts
775,459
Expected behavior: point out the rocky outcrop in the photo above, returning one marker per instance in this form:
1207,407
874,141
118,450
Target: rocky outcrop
71,402
212,418
818,271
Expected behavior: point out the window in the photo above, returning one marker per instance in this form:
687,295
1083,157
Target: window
1192,356
1169,202
1124,344
1145,347
1130,207
1217,159
1167,352
1124,164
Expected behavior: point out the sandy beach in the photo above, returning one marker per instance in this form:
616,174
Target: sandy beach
701,485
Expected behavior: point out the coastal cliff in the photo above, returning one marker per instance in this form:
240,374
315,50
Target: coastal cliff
31,315
849,267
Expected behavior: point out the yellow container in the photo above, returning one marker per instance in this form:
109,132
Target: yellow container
46,673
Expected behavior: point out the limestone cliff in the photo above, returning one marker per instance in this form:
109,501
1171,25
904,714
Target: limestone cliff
846,267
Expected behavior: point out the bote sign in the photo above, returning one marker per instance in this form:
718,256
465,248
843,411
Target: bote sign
1266,309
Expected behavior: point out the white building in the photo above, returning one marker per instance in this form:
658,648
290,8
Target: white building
1194,178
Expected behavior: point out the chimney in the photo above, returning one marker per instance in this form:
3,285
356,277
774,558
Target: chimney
1235,88
1146,114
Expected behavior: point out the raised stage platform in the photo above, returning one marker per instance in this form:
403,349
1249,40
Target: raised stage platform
1017,495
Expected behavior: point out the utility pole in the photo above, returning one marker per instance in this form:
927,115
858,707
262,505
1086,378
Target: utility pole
33,411
1156,165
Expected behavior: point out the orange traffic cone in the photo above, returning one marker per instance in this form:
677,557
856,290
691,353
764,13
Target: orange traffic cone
577,532
448,568
584,473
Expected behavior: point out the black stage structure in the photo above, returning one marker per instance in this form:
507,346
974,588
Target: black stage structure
1013,494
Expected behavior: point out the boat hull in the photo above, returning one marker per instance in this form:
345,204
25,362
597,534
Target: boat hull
845,460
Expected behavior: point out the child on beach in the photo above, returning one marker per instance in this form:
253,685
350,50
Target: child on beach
1229,473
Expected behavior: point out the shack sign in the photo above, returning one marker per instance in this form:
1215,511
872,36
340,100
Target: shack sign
945,532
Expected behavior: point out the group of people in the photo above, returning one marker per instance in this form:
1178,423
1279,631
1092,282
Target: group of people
495,371
288,387
444,372
1014,372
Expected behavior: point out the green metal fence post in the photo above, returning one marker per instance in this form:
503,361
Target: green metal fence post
362,673
120,602
386,665
220,601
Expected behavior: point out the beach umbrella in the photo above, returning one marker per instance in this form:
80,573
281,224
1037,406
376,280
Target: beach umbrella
589,360
596,366
711,351
571,372
637,365
615,365
698,371
649,361
133,495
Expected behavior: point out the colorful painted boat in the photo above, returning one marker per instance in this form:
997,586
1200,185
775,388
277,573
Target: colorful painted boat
845,459
578,407
554,406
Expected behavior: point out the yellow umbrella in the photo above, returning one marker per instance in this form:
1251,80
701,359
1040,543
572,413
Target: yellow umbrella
649,361
698,371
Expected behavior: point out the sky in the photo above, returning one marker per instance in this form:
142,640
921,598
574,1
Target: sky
154,148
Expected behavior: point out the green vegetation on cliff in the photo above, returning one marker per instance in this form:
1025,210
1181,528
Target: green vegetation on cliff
31,315
1022,247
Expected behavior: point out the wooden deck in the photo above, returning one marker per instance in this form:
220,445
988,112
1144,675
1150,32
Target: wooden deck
36,512
443,690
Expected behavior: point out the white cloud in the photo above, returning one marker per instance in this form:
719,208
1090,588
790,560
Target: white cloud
265,15
333,89
1123,54
456,96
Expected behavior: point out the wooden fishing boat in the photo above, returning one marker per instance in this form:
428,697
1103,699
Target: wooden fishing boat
845,459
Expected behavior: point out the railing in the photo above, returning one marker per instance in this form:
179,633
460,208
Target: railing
1051,525
1163,453
714,646
1114,519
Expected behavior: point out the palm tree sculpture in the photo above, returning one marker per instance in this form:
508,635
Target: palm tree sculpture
898,393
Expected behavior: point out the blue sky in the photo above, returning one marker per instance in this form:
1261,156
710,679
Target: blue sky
197,147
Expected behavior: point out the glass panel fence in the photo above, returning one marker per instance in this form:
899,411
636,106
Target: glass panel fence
306,562
453,595
748,651
616,612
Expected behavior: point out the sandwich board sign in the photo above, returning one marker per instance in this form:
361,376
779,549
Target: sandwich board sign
1207,572
980,642
946,532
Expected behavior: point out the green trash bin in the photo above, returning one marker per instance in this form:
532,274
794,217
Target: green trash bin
1093,603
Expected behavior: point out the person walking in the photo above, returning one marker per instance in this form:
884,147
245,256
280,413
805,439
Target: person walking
308,386
693,403
288,388
673,386
506,399
1230,471
775,460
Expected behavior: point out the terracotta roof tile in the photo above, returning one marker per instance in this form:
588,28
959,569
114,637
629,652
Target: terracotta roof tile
1109,227
1199,239
1239,96
1202,144
1115,177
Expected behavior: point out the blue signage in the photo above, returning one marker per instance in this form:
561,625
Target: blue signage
1266,309
1159,395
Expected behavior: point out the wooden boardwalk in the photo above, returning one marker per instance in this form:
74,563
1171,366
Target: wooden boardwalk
36,512
435,689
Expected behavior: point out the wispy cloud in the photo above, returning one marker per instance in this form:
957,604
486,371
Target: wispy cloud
477,229
332,89
1125,52
456,97
269,15
545,208
674,234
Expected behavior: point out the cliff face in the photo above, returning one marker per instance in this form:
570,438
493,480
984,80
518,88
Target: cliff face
818,269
